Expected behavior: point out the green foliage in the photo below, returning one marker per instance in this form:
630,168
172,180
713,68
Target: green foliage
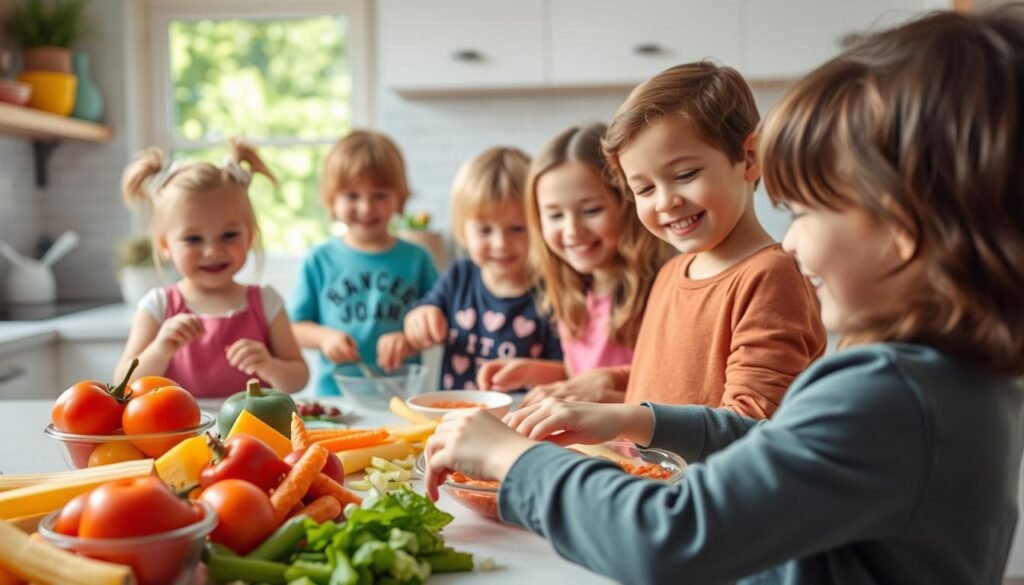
135,251
39,23
282,84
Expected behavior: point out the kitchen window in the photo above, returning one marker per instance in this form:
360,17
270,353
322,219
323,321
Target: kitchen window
290,78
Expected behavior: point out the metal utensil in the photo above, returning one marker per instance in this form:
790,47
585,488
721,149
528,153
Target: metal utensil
387,384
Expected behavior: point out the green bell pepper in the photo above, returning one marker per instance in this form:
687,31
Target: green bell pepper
271,406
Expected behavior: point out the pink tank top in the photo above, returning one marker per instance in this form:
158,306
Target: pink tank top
201,366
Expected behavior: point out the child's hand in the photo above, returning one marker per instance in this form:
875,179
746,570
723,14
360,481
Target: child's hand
392,349
512,374
248,355
474,442
593,386
426,326
340,348
180,329
565,423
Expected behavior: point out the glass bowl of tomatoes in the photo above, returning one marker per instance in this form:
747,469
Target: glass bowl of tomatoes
81,451
169,557
481,496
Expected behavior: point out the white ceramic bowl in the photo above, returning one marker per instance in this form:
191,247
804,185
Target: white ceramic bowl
432,404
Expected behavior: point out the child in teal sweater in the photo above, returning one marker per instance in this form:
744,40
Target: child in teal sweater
893,461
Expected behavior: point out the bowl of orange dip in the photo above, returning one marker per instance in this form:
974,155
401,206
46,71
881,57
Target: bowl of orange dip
437,404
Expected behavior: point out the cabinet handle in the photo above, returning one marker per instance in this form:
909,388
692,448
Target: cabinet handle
467,56
648,49
12,373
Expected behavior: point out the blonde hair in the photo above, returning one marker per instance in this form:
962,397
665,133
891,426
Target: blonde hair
638,254
150,181
716,100
920,127
364,156
486,184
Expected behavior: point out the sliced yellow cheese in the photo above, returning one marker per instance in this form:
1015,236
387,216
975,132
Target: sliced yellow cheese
400,408
111,472
180,467
40,562
354,460
248,424
49,496
412,433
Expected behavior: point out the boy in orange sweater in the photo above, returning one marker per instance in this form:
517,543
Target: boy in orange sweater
730,321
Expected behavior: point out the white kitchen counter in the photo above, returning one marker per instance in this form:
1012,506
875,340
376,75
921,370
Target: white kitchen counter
107,323
521,556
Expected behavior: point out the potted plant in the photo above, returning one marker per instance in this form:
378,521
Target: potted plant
47,31
414,228
137,270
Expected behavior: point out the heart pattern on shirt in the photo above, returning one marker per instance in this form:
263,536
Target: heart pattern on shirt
493,321
523,326
466,318
460,364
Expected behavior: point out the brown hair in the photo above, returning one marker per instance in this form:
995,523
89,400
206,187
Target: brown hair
193,178
364,156
486,184
638,254
715,99
920,126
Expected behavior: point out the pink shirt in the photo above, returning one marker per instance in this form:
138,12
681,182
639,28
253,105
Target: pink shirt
592,349
201,366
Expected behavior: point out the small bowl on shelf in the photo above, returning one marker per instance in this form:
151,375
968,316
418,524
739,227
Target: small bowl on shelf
437,404
166,558
15,92
374,392
81,451
52,91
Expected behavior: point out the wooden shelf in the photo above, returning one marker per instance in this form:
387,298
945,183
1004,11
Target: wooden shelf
29,123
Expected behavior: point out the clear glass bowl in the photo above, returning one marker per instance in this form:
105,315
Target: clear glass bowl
78,449
482,496
375,393
166,558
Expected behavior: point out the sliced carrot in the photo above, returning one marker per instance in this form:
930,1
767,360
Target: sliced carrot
323,509
300,435
298,480
317,435
325,486
364,439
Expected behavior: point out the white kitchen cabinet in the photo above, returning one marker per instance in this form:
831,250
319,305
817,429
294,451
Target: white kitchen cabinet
594,43
787,38
88,360
30,372
460,44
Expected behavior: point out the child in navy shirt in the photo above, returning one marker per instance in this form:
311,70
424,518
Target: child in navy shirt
483,308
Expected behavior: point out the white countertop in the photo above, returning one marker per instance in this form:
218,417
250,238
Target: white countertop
521,557
107,323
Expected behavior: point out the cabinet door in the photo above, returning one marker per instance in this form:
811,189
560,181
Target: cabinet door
429,45
609,42
30,374
787,38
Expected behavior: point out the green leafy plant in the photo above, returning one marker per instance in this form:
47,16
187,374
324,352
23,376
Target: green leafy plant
135,251
42,23
416,221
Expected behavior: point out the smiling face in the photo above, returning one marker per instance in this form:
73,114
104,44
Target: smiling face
498,243
688,193
366,210
207,237
578,217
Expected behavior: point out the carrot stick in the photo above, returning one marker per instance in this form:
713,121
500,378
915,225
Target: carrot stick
298,480
300,436
325,486
317,435
364,439
323,509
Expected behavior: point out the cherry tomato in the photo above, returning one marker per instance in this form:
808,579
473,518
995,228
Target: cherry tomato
244,457
146,384
70,516
114,452
170,408
134,507
245,517
90,407
332,468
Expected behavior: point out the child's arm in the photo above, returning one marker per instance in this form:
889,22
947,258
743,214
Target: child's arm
281,364
155,343
426,326
515,373
337,346
597,385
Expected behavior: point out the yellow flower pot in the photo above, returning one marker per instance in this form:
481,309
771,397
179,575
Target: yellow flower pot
51,91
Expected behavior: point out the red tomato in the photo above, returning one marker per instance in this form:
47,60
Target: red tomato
134,507
332,468
147,384
169,408
90,407
244,457
245,517
70,516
